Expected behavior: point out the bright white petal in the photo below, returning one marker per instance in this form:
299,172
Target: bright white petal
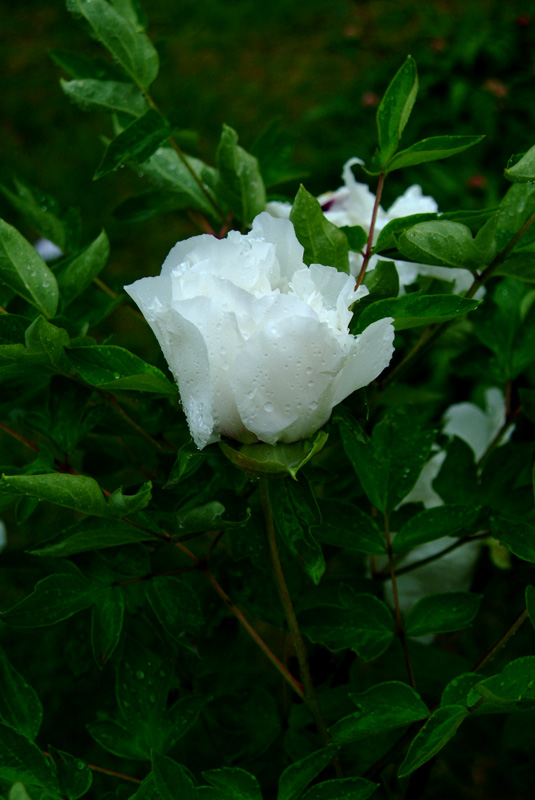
369,354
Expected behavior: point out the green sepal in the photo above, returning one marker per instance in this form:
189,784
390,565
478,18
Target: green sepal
264,460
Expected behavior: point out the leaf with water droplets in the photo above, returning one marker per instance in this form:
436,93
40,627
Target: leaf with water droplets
434,523
323,241
22,760
442,613
230,783
55,598
413,311
295,511
239,182
74,776
514,685
24,272
381,708
125,40
116,369
298,775
172,780
341,789
395,108
441,726
360,622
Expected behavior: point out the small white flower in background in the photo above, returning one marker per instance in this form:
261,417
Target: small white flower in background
47,249
352,204
257,341
452,572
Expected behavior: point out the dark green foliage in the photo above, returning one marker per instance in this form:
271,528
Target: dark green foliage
146,652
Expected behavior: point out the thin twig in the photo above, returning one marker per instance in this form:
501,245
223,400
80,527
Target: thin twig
369,244
519,621
298,642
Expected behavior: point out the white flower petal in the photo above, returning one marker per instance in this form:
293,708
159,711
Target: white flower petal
369,354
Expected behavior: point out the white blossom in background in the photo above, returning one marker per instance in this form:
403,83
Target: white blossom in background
352,204
47,249
452,572
257,341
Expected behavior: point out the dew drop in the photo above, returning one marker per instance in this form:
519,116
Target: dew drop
268,407
140,675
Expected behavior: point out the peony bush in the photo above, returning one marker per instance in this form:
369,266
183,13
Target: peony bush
283,548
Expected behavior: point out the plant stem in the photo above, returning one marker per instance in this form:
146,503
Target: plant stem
369,243
296,686
383,576
19,437
133,424
289,612
401,632
105,771
519,621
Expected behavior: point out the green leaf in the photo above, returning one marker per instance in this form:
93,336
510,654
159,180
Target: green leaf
432,149
438,730
361,622
231,783
518,535
323,241
168,170
432,524
20,706
356,237
117,739
346,525
55,598
75,274
456,691
179,719
388,236
189,459
382,708
171,779
175,604
457,481
211,516
446,244
81,67
412,311
106,625
442,613
395,108
78,492
12,329
126,43
519,265
111,96
297,776
137,142
388,464
24,272
523,169
90,534
22,760
295,512
18,792
43,351
74,776
258,460
382,282
512,688
116,369
347,788
239,181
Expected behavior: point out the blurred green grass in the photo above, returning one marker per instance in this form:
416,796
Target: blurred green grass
319,67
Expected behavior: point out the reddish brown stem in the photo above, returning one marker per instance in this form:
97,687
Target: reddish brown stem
401,632
369,244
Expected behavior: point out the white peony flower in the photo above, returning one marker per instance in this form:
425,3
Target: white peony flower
454,571
352,204
257,341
